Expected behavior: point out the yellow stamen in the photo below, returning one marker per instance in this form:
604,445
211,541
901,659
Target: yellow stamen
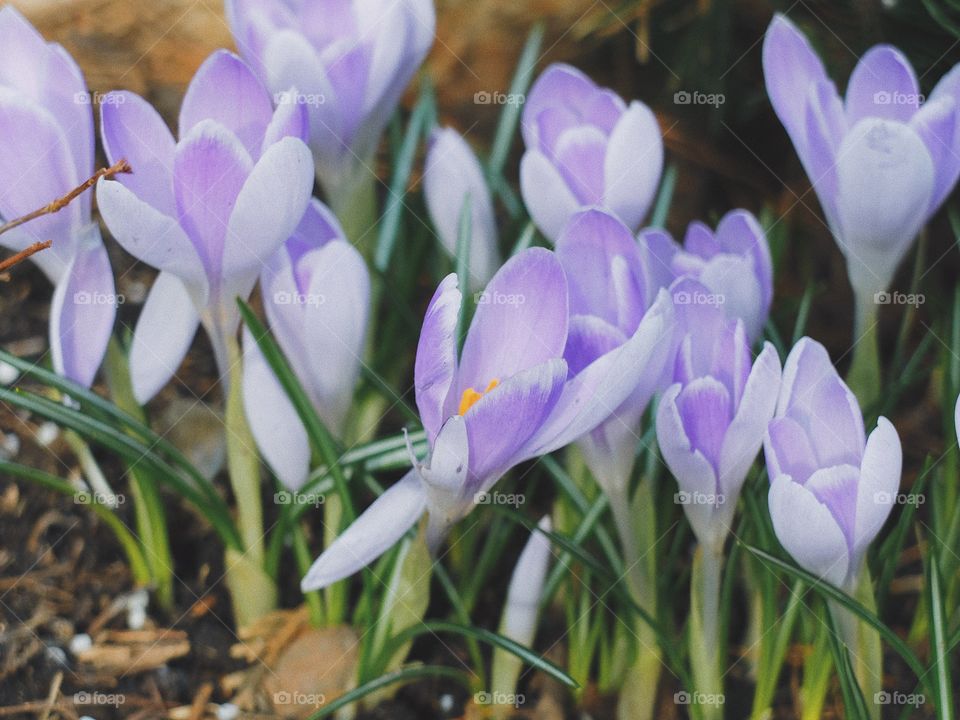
470,397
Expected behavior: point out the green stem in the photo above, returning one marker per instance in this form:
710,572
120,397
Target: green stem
704,634
253,591
816,675
354,202
862,642
148,504
304,560
864,375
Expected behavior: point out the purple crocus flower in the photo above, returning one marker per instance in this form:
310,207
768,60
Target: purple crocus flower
832,488
881,160
46,126
207,211
509,396
711,421
733,263
614,281
586,147
451,174
316,293
348,61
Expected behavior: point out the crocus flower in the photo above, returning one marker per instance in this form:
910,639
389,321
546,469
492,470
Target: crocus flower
46,126
832,488
348,61
509,397
316,293
452,174
586,147
207,211
733,263
881,160
711,421
614,281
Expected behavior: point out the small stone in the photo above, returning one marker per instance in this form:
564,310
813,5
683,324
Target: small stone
446,703
227,711
80,643
8,373
47,433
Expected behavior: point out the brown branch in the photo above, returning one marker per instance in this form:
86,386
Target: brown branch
121,167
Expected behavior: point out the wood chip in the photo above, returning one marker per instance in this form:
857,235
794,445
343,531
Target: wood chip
134,651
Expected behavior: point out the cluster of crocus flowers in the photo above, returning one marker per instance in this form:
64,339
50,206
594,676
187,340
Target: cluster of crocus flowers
832,487
208,211
46,122
453,177
346,62
585,147
316,292
508,397
733,264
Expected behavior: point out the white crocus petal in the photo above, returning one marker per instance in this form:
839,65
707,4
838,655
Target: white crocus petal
370,535
273,420
632,165
164,331
884,185
526,587
733,279
549,200
879,483
808,531
445,478
335,323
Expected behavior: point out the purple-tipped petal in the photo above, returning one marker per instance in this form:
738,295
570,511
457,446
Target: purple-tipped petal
521,321
149,235
131,129
706,410
882,85
788,451
547,197
82,312
633,164
937,125
225,90
808,531
436,363
371,535
580,155
558,84
290,119
589,338
274,422
163,334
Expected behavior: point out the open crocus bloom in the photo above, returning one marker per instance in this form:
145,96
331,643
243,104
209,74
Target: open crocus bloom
733,264
451,174
881,160
207,211
316,293
586,147
509,397
711,421
614,281
46,126
831,487
348,61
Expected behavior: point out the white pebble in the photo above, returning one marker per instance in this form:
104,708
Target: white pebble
227,711
80,643
8,373
9,446
446,703
47,433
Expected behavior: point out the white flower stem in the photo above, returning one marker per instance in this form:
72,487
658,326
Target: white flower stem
704,630
864,375
862,641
